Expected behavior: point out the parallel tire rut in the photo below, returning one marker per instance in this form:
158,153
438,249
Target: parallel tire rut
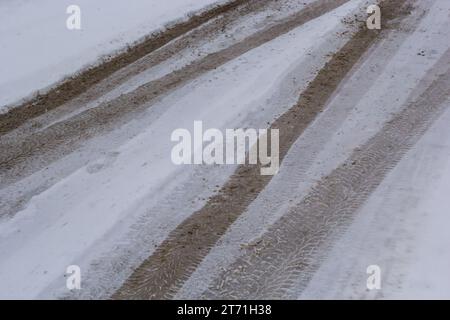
163,273
287,253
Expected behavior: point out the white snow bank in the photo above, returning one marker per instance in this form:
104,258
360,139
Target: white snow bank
37,49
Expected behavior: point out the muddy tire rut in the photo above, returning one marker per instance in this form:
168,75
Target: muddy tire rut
41,132
164,272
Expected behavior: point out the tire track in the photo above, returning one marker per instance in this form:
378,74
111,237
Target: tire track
163,273
289,252
62,138
78,84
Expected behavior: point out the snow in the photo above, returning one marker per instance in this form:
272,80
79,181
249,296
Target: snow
37,50
132,195
126,182
427,275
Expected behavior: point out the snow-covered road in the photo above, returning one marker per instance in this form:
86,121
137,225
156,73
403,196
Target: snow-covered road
363,180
